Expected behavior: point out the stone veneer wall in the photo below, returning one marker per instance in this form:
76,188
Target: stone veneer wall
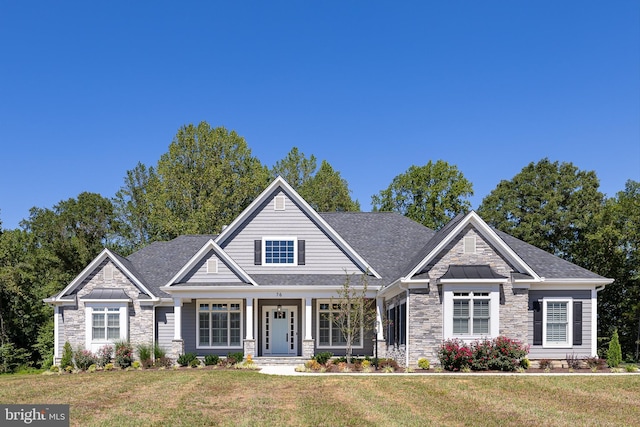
140,320
425,305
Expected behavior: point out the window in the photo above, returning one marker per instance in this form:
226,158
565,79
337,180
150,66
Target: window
105,324
397,324
280,251
471,313
557,327
219,324
329,333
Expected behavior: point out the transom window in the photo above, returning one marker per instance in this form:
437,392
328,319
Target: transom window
280,251
471,313
329,333
219,324
557,324
105,323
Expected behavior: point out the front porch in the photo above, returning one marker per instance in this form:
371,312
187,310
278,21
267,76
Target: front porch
272,329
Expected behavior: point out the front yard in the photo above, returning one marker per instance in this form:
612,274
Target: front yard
199,397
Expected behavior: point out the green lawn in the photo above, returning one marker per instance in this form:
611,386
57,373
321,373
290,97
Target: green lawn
197,397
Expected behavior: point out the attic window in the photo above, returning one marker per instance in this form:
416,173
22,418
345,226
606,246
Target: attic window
470,245
108,272
212,266
278,203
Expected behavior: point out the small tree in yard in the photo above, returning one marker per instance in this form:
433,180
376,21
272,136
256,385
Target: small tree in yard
614,355
351,312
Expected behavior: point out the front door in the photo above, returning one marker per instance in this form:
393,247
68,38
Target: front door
279,330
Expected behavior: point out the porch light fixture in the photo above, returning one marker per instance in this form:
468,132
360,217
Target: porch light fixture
279,308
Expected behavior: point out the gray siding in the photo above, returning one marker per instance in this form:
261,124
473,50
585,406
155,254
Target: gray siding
537,351
164,327
199,273
322,254
189,332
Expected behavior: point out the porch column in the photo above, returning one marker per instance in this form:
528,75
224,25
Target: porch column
249,341
177,318
308,344
177,345
379,311
249,323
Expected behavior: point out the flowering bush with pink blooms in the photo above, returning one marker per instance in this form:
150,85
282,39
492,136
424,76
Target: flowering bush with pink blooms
501,354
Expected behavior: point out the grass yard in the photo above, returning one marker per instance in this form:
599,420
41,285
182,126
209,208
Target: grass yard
231,398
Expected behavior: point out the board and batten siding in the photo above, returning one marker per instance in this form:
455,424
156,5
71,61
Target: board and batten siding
199,272
164,327
322,256
583,350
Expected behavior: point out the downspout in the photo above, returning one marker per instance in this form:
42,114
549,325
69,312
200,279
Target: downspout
408,313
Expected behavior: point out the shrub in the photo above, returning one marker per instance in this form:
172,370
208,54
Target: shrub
144,354
454,355
631,368
525,363
312,365
323,357
108,367
186,359
594,363
84,359
483,353
136,364
194,363
11,358
614,355
545,364
235,358
124,354
54,368
423,363
158,352
105,355
211,359
67,356
507,354
572,361
384,363
163,362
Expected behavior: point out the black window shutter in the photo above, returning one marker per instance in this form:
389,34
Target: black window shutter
257,252
577,323
301,252
537,322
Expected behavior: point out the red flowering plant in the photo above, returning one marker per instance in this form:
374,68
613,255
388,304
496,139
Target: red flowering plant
454,355
507,354
124,354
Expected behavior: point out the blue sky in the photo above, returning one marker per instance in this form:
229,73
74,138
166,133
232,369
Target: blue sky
88,89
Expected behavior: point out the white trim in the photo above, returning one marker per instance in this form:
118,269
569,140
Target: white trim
484,230
359,345
105,254
569,343
56,334
293,310
494,311
229,346
266,239
249,311
594,322
308,318
177,319
279,182
211,245
212,266
123,326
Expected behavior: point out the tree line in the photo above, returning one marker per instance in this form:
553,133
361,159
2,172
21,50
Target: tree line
209,175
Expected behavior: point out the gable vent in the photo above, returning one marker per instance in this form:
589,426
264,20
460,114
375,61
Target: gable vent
470,245
212,265
108,272
278,203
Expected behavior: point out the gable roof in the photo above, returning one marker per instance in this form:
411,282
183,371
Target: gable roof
122,263
211,246
280,184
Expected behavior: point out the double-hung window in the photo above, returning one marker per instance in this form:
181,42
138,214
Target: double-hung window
105,324
219,324
330,332
557,326
471,313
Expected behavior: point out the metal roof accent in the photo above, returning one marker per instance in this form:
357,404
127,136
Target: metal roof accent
106,294
471,272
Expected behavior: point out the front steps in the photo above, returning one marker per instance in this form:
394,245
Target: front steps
279,361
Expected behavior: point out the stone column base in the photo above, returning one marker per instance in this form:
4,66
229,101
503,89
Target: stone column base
250,348
308,348
177,348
